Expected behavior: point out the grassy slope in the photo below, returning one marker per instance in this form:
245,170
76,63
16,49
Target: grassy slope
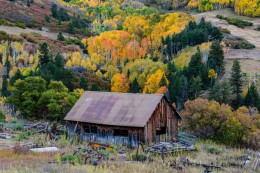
185,55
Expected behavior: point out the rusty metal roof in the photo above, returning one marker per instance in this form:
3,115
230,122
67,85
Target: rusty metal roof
112,108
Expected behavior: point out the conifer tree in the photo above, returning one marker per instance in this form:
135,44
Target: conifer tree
216,58
45,56
252,97
134,86
236,82
195,64
60,37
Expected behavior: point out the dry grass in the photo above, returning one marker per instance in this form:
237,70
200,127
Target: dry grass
207,152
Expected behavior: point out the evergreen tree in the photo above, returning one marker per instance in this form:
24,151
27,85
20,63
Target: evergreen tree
134,86
45,56
252,97
54,11
195,87
17,75
195,65
59,61
4,90
163,81
60,37
236,82
83,83
220,92
171,69
216,58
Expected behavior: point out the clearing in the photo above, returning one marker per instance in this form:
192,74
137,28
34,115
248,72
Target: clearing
250,59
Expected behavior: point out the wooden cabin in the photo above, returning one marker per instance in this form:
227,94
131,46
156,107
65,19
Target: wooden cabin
123,118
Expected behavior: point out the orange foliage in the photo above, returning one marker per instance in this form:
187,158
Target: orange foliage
115,45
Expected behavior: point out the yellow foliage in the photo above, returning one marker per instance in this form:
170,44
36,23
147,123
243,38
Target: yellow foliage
137,25
171,23
183,59
247,7
212,74
119,83
99,74
153,82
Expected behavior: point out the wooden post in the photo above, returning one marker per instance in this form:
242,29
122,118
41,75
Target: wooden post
73,135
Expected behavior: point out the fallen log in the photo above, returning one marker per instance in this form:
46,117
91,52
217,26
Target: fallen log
46,149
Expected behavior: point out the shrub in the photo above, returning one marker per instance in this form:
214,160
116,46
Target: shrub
20,25
2,117
212,149
69,158
22,136
243,45
235,21
19,149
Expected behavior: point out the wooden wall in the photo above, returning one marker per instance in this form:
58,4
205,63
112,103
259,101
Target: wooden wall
163,117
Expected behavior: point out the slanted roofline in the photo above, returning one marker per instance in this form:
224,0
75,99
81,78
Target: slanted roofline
115,109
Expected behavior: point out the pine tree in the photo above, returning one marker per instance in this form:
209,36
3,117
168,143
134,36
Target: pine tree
220,92
17,75
134,86
83,83
45,56
163,81
252,97
195,87
216,58
54,11
60,37
236,82
59,61
195,64
4,90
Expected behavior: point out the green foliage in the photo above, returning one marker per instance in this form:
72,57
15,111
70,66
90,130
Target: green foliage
252,97
243,45
134,86
4,90
26,94
216,58
236,82
235,21
59,14
20,25
221,92
70,158
2,117
60,37
230,132
209,119
22,136
194,34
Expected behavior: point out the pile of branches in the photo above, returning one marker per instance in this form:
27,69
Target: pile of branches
51,130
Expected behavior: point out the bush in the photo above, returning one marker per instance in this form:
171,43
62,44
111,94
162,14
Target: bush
2,117
69,158
22,136
243,45
20,25
212,149
19,149
6,22
235,21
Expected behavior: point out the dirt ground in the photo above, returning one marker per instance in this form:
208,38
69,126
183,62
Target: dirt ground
249,59
44,32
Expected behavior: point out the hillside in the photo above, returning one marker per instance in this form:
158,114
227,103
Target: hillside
200,57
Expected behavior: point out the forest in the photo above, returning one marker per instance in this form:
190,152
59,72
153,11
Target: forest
130,47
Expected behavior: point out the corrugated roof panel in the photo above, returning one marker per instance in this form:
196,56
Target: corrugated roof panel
112,108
